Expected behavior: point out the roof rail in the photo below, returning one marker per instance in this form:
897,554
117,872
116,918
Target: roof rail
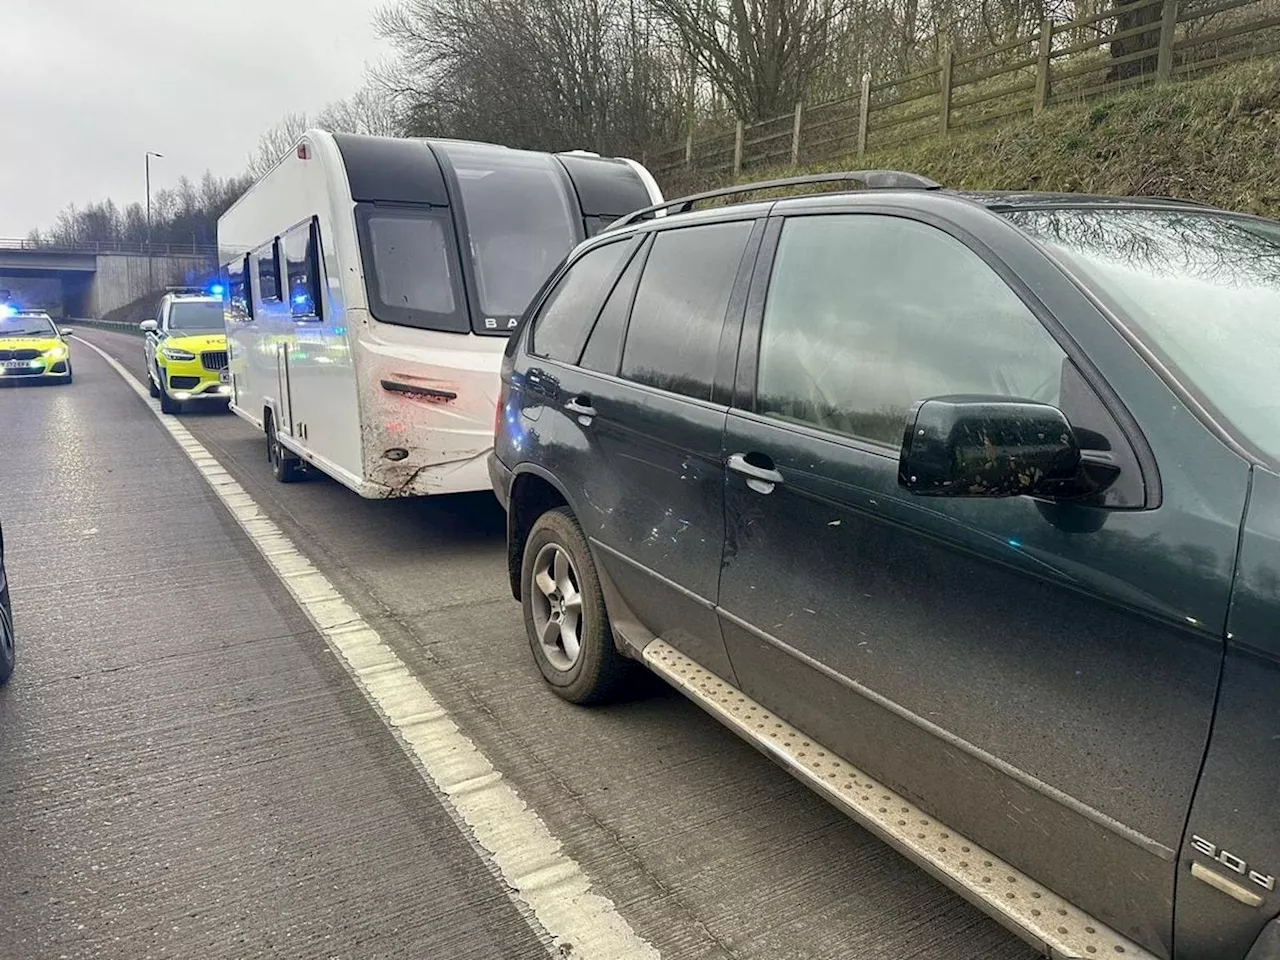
870,180
185,289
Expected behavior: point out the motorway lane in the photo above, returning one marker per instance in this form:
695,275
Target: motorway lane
185,770
707,849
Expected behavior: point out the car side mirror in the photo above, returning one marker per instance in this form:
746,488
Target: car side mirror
996,447
148,326
65,332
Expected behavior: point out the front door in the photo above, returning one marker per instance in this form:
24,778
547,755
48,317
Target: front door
1039,677
628,420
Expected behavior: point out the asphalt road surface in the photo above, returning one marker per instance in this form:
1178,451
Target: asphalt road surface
187,770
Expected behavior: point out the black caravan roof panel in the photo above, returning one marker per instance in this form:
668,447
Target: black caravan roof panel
392,170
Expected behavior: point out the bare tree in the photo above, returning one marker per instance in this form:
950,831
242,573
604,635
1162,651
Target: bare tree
597,74
276,141
370,110
184,215
1127,46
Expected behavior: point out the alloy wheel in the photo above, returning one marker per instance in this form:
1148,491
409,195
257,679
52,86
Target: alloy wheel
557,606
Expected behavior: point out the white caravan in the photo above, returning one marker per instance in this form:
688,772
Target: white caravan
370,285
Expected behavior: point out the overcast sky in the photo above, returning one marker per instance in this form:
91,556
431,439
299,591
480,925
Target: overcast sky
87,87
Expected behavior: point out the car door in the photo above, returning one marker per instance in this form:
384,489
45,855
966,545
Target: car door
1039,676
632,428
154,338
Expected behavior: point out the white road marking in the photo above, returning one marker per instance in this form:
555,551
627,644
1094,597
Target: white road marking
548,886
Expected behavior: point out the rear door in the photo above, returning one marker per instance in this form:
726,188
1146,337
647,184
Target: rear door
632,426
1039,676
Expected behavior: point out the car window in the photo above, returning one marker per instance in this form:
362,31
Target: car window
604,346
26,325
237,298
866,315
302,271
411,272
566,315
680,307
196,316
268,273
1201,289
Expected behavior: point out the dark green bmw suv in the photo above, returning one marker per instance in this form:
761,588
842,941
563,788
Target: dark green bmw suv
964,508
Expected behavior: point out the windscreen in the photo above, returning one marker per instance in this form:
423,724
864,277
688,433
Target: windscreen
1201,289
37,325
196,316
521,221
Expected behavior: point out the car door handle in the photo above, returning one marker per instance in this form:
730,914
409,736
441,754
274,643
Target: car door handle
759,479
581,407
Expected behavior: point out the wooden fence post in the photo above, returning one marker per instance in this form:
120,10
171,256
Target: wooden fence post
1164,58
944,109
1042,67
737,149
864,113
795,135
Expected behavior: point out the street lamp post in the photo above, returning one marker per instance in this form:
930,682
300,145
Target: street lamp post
151,282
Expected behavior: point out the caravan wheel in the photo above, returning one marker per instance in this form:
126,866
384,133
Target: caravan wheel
285,467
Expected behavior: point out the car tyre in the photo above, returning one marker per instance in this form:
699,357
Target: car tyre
151,384
167,403
564,613
7,653
285,467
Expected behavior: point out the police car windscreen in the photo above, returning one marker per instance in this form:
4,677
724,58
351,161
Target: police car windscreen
198,316
521,220
26,326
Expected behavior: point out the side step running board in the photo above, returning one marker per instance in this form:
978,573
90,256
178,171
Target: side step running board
1042,918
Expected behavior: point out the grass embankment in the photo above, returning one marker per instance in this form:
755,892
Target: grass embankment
136,311
1215,140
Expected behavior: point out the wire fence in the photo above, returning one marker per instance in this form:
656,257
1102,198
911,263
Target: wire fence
1146,41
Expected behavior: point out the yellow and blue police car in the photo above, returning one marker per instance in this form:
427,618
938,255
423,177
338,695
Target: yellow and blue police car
186,350
32,348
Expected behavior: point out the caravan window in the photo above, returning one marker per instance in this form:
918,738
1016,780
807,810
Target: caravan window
521,221
411,267
237,300
268,273
302,269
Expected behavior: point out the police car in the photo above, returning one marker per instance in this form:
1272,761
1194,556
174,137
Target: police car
186,349
32,348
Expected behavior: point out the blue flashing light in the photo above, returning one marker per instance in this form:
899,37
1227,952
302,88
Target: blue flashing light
6,310
301,298
1016,544
217,289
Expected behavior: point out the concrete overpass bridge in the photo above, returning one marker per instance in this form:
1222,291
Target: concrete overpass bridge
97,277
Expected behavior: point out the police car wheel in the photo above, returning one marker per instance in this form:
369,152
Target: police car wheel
168,404
151,385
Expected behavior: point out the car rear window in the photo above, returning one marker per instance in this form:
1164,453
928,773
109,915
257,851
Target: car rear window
680,307
568,313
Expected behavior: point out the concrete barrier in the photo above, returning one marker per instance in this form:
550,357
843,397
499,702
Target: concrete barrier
120,326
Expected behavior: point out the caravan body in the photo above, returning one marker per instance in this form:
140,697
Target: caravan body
371,283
